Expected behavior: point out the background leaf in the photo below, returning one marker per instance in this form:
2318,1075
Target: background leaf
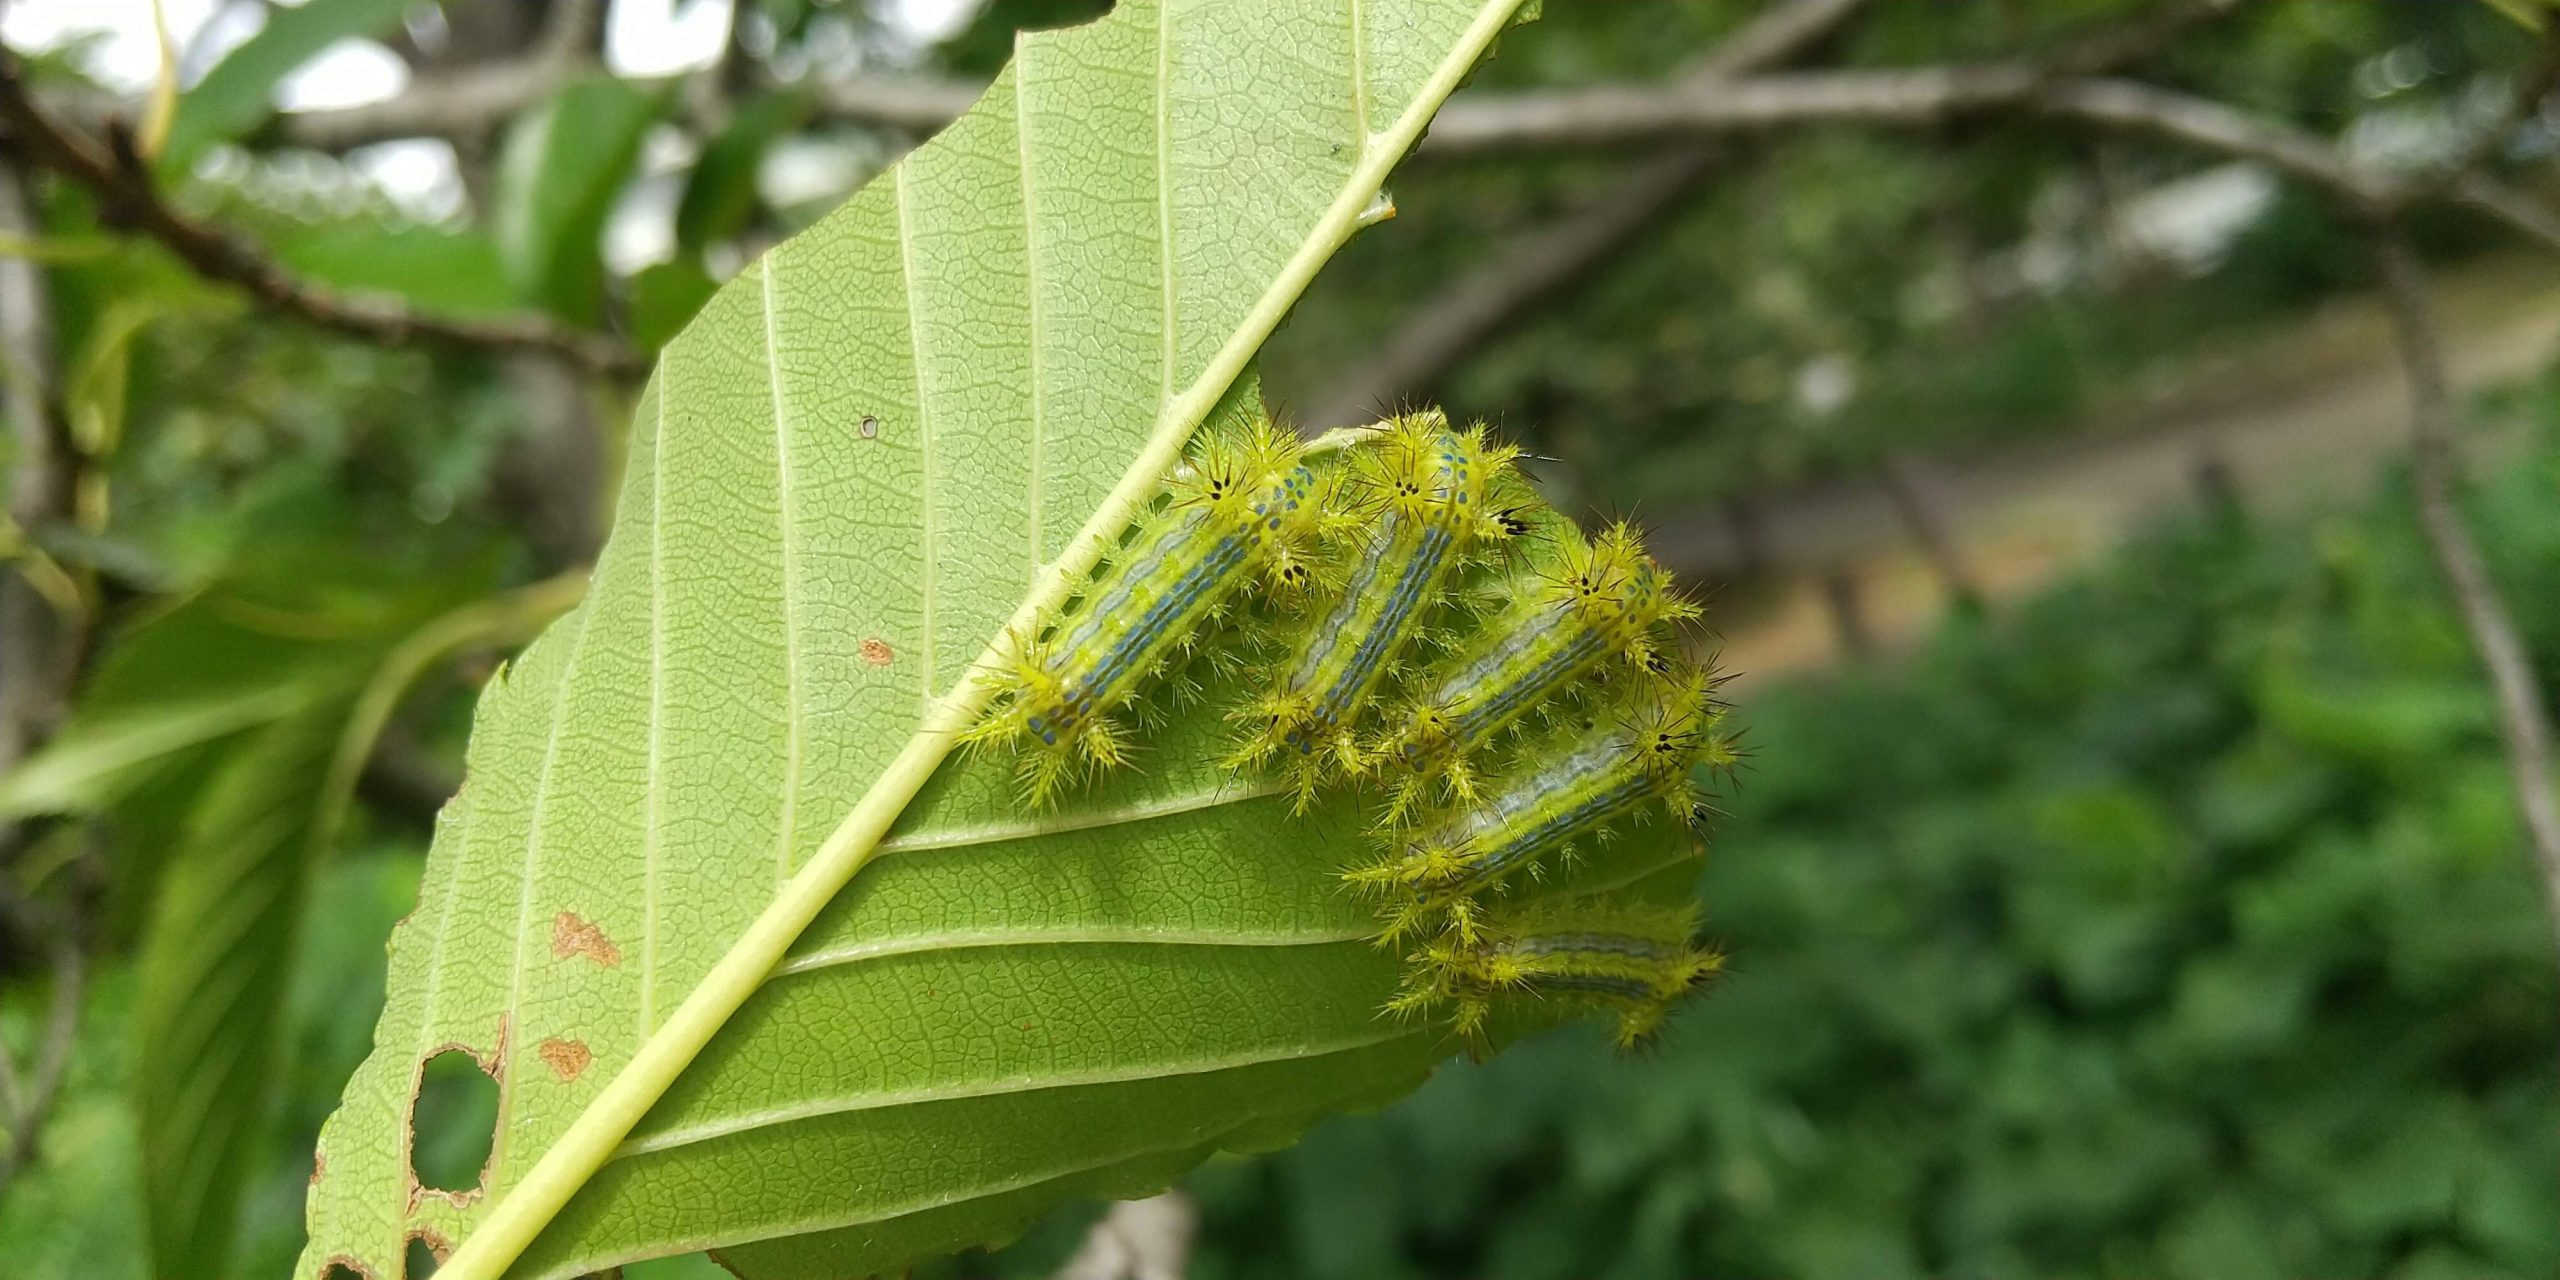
211,979
720,196
239,92
665,298
844,479
558,172
457,272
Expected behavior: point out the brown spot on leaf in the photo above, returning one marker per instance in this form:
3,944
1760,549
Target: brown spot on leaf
319,1165
572,935
567,1059
877,652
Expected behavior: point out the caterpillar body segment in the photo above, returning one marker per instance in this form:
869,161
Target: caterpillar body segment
1528,820
1434,499
1246,509
1630,959
1593,605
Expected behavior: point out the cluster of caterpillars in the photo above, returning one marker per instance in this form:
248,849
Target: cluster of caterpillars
1417,627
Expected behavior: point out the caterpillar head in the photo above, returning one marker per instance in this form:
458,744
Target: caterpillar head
1620,590
1419,467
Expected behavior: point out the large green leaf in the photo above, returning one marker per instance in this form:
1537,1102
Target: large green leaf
901,429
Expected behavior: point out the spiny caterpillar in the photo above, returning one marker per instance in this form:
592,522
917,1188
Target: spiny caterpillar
1589,602
1247,505
1434,498
1418,579
1631,959
1639,754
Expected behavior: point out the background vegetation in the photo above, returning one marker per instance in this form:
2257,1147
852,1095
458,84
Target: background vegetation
2172,919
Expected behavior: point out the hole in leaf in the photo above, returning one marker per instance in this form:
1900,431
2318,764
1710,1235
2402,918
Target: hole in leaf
451,1122
420,1263
341,1271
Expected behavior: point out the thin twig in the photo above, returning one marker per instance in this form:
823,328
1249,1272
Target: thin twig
1932,96
128,198
39,642
1461,316
2524,707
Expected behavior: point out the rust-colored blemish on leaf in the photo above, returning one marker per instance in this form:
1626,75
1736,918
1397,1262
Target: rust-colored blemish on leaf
319,1165
567,1059
574,935
435,1241
877,652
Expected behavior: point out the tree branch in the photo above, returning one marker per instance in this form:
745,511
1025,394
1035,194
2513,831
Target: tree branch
128,198
29,1098
2524,714
464,102
1932,96
39,644
1537,265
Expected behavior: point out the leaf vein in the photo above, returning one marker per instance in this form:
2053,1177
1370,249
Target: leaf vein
1031,272
924,436
786,499
818,1109
1079,820
981,939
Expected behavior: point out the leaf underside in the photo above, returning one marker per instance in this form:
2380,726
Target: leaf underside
844,479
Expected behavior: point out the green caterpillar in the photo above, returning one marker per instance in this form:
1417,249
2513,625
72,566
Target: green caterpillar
1434,497
1630,959
1247,505
1640,756
1594,601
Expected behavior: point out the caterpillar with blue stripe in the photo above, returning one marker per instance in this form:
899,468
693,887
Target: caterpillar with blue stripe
1436,500
1630,959
1594,603
1639,756
1248,507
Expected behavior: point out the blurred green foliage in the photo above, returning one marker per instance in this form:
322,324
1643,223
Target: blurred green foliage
2178,925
